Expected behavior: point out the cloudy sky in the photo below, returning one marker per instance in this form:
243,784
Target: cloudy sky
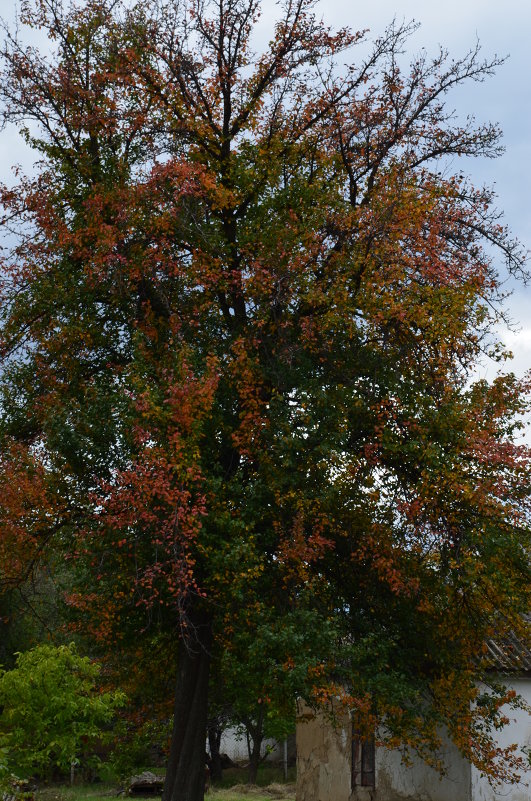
503,28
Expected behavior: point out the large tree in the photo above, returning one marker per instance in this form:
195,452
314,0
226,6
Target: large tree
240,321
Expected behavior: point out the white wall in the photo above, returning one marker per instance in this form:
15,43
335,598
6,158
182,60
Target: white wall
395,780
518,731
235,746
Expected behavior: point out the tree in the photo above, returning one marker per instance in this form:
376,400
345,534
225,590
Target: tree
262,667
239,329
52,710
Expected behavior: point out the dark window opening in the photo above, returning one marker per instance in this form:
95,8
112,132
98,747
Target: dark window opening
362,760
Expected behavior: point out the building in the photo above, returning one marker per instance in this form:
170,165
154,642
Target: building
333,764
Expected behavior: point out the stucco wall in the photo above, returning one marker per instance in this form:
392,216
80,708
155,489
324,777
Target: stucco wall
324,754
323,759
519,731
323,769
396,781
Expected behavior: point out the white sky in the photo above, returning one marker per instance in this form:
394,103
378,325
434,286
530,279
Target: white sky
503,28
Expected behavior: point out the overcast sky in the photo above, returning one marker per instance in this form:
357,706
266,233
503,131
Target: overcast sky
503,28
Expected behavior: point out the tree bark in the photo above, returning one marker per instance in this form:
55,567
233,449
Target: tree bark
255,759
214,742
256,732
185,773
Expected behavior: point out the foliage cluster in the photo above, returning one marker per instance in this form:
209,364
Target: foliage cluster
53,712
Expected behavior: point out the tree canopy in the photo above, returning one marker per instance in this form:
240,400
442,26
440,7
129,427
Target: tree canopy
240,320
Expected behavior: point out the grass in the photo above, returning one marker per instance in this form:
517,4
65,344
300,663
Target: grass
234,787
267,774
278,792
79,792
103,792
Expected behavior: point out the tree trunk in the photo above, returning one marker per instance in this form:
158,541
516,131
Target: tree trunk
256,731
214,742
255,759
185,773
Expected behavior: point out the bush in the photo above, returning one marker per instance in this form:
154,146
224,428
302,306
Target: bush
138,749
53,712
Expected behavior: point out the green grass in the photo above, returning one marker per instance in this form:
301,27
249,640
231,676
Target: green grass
274,792
267,774
104,792
100,791
234,787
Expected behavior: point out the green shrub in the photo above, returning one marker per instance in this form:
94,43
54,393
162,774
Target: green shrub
52,710
133,751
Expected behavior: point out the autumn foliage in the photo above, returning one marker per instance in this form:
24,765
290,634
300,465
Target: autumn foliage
240,321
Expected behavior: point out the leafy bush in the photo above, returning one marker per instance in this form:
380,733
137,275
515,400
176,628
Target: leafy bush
134,749
52,710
